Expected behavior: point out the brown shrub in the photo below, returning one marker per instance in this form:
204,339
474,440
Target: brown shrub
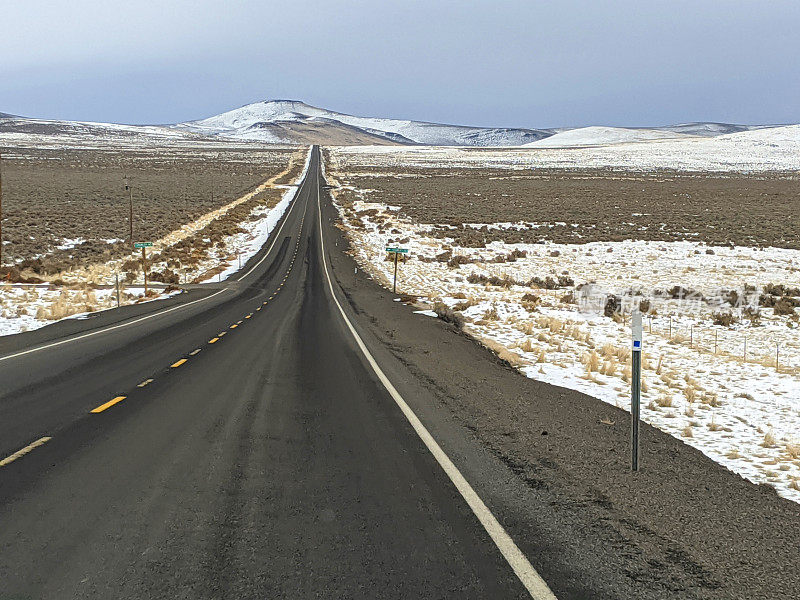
724,319
445,313
784,306
613,306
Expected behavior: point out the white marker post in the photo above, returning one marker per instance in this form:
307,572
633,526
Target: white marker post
636,385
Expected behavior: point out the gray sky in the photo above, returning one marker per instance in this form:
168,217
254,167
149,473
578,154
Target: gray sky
502,63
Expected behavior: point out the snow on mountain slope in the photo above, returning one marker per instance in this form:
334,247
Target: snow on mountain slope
314,130
601,136
758,150
241,122
294,122
708,129
23,131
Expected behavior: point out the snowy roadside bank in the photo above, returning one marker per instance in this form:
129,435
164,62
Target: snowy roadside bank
721,373
24,307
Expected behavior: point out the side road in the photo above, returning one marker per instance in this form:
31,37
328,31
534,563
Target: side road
683,527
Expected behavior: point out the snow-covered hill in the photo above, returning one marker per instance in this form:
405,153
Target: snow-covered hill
294,122
708,129
600,136
22,131
258,121
757,150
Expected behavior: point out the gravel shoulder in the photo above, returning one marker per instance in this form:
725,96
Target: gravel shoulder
684,527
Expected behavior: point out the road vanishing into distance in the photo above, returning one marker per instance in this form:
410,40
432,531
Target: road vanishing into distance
241,441
295,432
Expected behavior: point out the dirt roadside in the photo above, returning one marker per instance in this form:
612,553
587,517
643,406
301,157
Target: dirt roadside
684,527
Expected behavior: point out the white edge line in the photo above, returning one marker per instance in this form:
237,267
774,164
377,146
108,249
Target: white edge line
533,582
285,216
169,310
112,328
22,452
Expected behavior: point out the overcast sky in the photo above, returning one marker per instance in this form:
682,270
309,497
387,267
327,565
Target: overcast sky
499,63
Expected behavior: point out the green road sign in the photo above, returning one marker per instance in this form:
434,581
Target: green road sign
142,244
397,250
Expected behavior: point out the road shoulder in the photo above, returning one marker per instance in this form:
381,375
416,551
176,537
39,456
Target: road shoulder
556,473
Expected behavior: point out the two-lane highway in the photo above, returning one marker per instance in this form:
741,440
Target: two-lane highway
249,446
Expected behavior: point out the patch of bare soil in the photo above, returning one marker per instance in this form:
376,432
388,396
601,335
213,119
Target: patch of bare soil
578,206
76,198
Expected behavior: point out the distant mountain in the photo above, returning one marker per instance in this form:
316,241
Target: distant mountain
601,136
708,129
276,121
295,122
35,132
605,136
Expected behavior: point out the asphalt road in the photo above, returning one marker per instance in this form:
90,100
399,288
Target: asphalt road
296,433
237,443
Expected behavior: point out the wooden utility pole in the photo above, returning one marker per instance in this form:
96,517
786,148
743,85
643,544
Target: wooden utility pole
129,189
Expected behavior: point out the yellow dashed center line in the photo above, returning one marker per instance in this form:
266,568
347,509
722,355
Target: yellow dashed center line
213,340
108,404
24,451
144,383
239,322
259,308
221,333
248,316
234,326
177,364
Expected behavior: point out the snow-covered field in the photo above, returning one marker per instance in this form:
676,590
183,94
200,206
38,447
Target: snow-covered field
27,307
717,387
769,149
598,136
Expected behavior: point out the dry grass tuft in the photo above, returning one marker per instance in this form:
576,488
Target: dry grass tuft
512,358
551,323
687,431
793,450
664,400
526,346
690,393
609,367
491,314
592,361
769,440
